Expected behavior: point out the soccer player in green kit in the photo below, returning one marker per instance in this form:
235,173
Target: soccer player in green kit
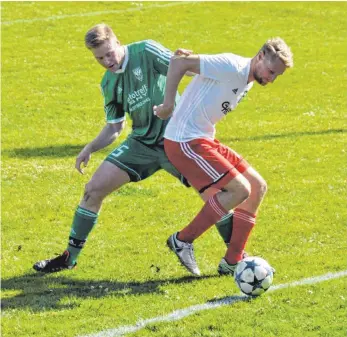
134,82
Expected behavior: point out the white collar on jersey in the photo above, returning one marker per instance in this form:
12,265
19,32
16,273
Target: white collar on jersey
125,62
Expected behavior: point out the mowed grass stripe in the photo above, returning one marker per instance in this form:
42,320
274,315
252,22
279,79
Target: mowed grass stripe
116,11
182,313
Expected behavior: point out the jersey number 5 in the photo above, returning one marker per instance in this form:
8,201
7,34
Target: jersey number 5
121,150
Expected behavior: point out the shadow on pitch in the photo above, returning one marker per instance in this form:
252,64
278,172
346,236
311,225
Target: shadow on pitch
68,150
284,135
40,292
54,151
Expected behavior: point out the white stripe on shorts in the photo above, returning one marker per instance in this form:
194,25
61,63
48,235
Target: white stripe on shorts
201,162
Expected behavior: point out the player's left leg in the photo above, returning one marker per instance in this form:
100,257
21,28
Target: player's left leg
129,161
245,215
258,191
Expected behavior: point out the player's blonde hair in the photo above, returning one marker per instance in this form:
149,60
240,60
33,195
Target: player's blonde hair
97,35
277,48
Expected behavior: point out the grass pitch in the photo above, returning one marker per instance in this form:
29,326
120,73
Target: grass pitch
293,132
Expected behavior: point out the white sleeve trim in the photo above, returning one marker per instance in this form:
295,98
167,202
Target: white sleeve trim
115,121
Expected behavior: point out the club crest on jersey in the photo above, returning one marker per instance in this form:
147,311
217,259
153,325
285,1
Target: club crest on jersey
138,73
226,107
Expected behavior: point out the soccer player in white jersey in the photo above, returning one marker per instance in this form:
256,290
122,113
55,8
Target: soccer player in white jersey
221,82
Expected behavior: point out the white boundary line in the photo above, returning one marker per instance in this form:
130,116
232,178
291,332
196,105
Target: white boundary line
116,11
181,313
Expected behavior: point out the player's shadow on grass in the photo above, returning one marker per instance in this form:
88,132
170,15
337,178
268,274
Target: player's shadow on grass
68,150
53,151
283,135
40,292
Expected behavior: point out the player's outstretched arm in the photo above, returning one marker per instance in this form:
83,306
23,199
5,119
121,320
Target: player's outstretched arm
179,65
107,135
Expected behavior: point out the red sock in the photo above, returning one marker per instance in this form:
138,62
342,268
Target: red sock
243,222
208,216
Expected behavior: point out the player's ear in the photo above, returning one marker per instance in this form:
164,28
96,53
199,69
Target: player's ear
116,41
261,55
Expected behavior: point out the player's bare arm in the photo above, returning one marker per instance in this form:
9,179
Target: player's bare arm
177,69
107,135
184,52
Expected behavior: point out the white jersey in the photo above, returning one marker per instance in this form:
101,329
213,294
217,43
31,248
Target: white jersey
218,89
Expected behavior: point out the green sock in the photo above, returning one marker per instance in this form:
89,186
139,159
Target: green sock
225,227
83,223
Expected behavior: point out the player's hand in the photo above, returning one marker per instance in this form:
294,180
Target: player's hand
162,111
83,157
181,52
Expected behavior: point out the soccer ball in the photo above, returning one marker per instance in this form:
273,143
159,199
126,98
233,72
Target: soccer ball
253,275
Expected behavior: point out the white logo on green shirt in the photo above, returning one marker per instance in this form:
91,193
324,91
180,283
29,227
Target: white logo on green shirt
138,73
138,98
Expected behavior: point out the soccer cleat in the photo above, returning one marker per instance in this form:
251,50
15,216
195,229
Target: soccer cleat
185,253
54,265
224,268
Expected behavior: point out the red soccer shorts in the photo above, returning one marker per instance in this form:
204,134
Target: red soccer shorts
205,162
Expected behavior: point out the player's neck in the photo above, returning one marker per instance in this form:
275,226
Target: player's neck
122,52
251,71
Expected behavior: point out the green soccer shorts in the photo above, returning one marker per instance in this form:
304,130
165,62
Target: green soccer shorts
140,161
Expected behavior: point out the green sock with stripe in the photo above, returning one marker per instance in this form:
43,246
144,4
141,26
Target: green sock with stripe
225,227
83,222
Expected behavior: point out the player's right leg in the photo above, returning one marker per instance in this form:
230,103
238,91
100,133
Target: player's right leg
245,216
105,180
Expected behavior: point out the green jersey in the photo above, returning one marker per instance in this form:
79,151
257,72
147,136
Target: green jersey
136,88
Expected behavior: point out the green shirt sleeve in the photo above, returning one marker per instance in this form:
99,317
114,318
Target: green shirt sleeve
113,107
159,55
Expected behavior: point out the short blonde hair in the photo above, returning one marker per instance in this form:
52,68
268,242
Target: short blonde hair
277,48
97,35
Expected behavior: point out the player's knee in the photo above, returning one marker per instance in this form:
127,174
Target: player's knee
245,190
261,187
239,187
92,192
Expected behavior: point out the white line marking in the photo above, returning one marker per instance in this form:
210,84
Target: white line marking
116,11
179,314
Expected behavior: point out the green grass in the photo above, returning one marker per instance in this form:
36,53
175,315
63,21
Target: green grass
293,132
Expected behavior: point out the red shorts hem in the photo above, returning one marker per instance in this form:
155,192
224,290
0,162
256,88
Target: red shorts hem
205,162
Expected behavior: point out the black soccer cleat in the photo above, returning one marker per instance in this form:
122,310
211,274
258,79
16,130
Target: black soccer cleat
54,265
